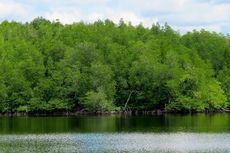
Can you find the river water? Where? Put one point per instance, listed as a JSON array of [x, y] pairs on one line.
[[165, 133]]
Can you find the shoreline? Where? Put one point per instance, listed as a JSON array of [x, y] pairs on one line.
[[107, 113]]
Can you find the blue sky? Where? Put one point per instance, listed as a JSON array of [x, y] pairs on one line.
[[182, 15]]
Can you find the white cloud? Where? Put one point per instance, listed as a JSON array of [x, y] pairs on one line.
[[125, 15], [74, 2], [183, 14], [181, 10], [64, 16], [128, 16], [75, 15], [95, 16], [8, 8], [184, 29], [160, 6], [196, 13]]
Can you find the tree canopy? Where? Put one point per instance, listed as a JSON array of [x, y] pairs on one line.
[[102, 66]]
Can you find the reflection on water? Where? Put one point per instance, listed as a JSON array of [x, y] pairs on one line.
[[166, 133], [116, 142], [90, 124]]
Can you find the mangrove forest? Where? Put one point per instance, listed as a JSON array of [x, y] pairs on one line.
[[47, 66]]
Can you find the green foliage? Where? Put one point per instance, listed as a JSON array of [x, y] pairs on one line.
[[97, 101], [213, 95], [47, 66], [224, 78]]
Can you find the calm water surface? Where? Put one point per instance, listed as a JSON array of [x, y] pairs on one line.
[[166, 133]]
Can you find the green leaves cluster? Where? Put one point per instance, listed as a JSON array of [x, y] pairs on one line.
[[48, 66]]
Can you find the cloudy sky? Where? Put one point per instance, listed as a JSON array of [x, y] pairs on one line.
[[182, 15]]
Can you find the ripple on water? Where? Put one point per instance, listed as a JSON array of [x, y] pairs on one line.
[[116, 142]]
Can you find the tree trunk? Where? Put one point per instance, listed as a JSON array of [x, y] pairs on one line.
[[127, 101]]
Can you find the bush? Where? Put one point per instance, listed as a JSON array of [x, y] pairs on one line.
[[97, 101]]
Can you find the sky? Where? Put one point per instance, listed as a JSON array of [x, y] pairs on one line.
[[182, 15]]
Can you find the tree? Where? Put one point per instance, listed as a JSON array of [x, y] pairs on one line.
[[46, 66]]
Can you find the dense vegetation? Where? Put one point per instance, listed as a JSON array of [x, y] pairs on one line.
[[48, 66]]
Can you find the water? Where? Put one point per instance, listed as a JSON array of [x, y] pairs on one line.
[[166, 133]]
